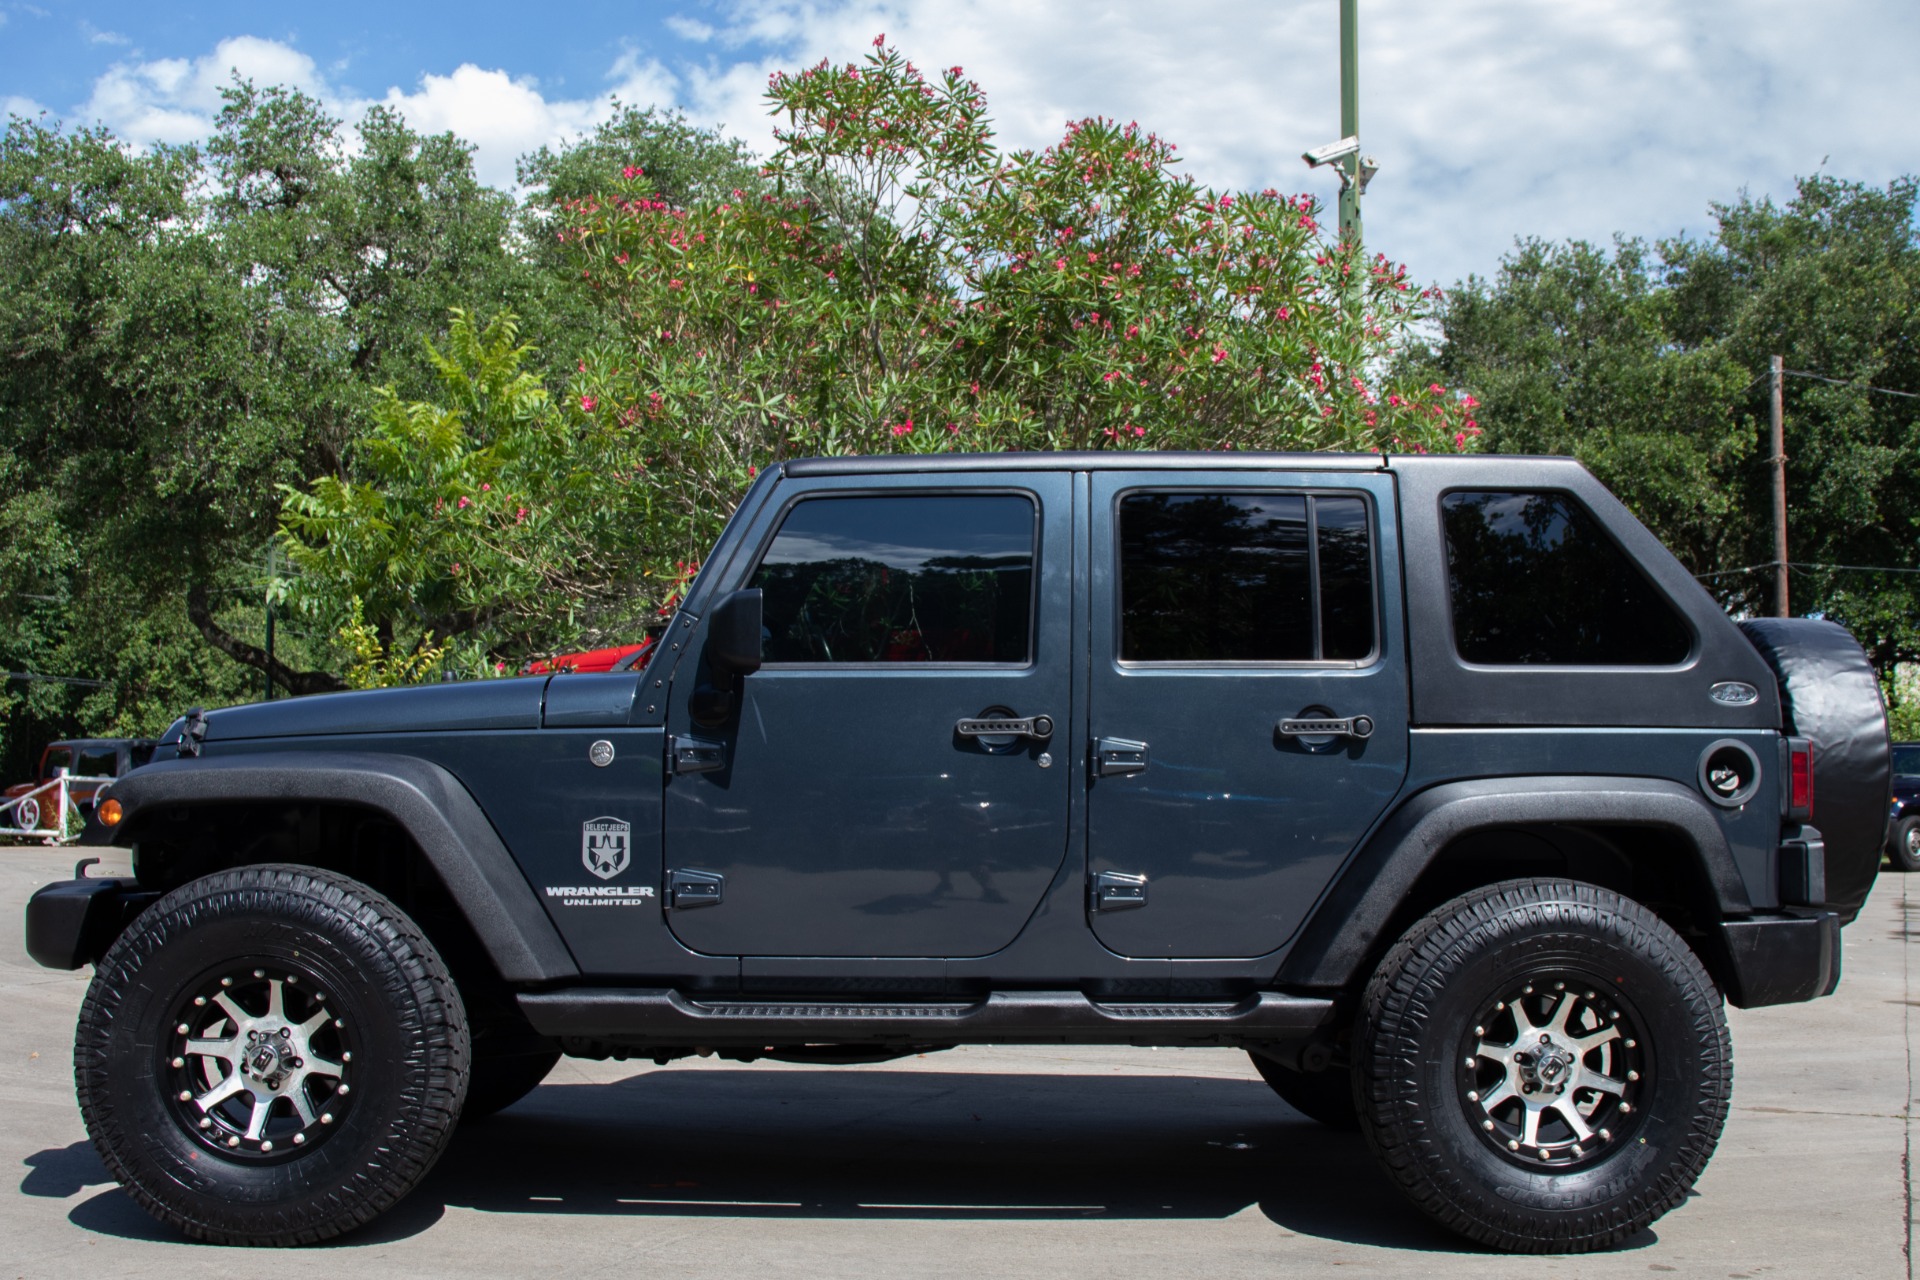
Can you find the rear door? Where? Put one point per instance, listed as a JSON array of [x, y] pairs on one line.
[[853, 814], [1248, 700]]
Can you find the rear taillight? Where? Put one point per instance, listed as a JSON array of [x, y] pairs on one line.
[[1800, 778]]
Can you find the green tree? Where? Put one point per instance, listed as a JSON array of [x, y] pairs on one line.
[[1649, 364], [183, 330]]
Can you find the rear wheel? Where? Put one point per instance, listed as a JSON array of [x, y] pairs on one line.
[[1544, 1066], [270, 1056], [1326, 1095], [1903, 845]]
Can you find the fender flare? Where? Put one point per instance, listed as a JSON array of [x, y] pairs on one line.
[[1347, 926], [425, 800]]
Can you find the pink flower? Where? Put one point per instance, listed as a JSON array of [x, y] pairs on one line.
[[631, 172], [520, 515], [1219, 354], [1133, 331], [588, 403], [1109, 377], [752, 472], [880, 40], [499, 668], [464, 502], [902, 428], [1059, 264], [456, 566], [1437, 389], [486, 488], [1460, 440]]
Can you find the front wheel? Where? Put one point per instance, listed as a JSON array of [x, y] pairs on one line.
[[1903, 846], [270, 1056], [1544, 1066]]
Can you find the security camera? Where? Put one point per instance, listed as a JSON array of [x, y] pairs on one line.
[[1331, 152]]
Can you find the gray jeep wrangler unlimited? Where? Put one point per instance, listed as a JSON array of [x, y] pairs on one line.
[[1436, 784]]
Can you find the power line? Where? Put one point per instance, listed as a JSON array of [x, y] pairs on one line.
[[1843, 382], [1806, 565], [34, 675]]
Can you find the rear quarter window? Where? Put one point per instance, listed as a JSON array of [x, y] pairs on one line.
[[1533, 579]]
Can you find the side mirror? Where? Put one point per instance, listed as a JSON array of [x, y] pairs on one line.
[[733, 638]]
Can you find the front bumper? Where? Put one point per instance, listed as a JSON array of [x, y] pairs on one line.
[[71, 923]]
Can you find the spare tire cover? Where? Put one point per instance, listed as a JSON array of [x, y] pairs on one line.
[[1828, 693]]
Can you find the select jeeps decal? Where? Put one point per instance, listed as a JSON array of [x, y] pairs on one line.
[[606, 849], [606, 846], [1734, 693]]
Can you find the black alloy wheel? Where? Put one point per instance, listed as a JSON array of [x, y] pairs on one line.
[[1543, 1066], [271, 1056]]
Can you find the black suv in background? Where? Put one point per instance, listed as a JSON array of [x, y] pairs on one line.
[[1436, 784]]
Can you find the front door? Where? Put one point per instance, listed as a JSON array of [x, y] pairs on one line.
[[855, 811], [1248, 701]]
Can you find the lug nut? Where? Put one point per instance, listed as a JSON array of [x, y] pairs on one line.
[[181, 1029], [226, 982], [259, 973], [293, 977], [1473, 1095], [346, 1057], [1633, 1075], [186, 1095], [326, 1117], [179, 1062], [1625, 1107], [233, 1142], [1513, 1145], [1487, 1125], [267, 1145], [205, 1123], [299, 1139], [342, 1091], [199, 1002]]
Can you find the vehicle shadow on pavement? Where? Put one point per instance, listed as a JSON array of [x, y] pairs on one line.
[[870, 1143]]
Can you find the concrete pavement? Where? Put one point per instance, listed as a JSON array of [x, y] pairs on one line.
[[993, 1162]]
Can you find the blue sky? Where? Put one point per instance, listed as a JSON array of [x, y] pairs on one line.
[[1490, 118]]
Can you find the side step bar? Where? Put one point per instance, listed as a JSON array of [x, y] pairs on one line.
[[642, 1017]]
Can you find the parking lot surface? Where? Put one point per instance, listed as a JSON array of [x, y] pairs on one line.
[[991, 1162]]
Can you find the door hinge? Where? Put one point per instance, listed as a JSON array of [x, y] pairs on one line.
[[689, 889], [1115, 756], [1118, 891], [695, 755]]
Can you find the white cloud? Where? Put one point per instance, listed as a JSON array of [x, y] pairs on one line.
[[95, 35], [690, 28], [15, 105], [176, 99]]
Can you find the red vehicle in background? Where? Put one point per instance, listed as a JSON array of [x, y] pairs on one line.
[[88, 764], [619, 658]]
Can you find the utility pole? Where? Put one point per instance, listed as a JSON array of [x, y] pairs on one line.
[[1779, 461], [1350, 121], [273, 571]]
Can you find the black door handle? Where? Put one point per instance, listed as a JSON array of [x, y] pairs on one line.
[[1039, 728], [1357, 727]]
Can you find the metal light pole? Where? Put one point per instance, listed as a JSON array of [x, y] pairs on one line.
[[1350, 121]]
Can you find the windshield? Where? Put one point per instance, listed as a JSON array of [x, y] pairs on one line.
[[1906, 759], [56, 758]]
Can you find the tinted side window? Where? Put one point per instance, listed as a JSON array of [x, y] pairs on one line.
[[99, 763], [935, 578], [1535, 579], [1208, 577]]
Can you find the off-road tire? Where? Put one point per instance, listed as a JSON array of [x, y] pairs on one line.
[[1325, 1096], [1426, 1014], [1903, 845], [376, 995], [499, 1080]]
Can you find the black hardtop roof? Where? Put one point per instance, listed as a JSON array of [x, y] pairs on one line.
[[1128, 460]]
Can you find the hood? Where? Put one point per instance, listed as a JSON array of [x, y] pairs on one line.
[[430, 708]]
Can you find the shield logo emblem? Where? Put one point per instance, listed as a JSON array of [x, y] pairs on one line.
[[606, 846]]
